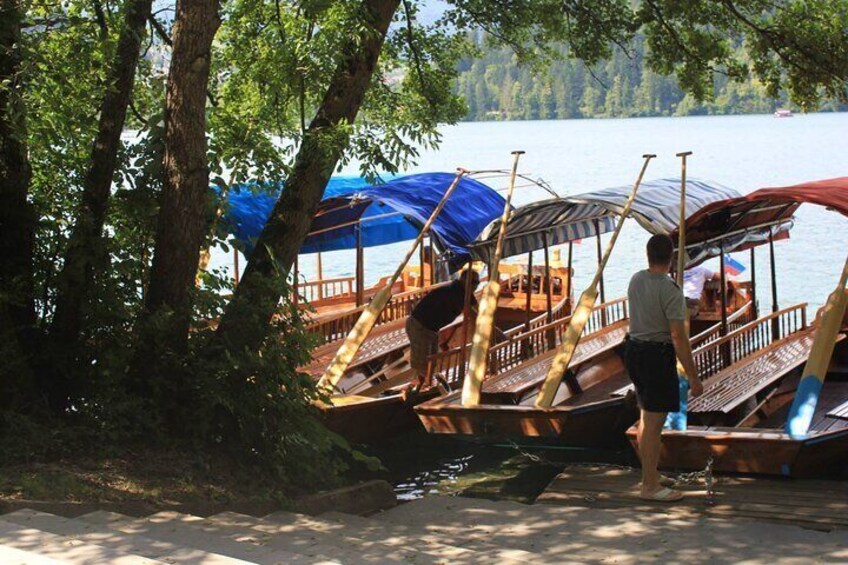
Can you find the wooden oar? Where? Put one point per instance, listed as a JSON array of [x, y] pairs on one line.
[[677, 420], [488, 306], [584, 309], [369, 316], [807, 396]]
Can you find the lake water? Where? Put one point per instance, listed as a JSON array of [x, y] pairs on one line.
[[573, 156]]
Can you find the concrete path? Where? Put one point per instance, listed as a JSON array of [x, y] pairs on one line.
[[435, 529]]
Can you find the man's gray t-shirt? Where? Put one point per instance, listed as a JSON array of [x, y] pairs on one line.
[[654, 300]]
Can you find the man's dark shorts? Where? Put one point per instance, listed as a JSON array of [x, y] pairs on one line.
[[652, 367]]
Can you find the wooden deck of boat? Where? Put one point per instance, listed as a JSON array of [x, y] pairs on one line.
[[533, 373], [382, 339], [815, 504]]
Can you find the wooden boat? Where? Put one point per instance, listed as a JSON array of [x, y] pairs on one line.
[[751, 375], [369, 407], [591, 405], [591, 408]]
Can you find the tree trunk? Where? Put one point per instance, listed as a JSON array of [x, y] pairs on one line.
[[184, 213], [246, 319], [17, 219], [85, 243]]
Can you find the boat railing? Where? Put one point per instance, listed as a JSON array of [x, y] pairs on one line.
[[521, 346], [721, 353], [400, 306], [736, 320], [315, 291]]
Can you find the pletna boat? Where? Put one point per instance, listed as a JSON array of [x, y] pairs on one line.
[[751, 375], [589, 407]]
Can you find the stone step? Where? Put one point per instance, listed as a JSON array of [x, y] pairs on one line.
[[64, 549], [88, 532], [623, 536], [407, 540], [440, 532], [186, 534], [12, 556], [301, 535]]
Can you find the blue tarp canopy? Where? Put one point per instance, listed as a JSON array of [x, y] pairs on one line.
[[385, 213]]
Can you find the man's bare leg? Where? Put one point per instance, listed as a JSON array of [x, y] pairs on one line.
[[649, 436]]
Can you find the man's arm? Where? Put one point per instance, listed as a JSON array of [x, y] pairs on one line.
[[684, 352]]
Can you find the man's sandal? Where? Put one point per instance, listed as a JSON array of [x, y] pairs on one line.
[[667, 481], [663, 495]]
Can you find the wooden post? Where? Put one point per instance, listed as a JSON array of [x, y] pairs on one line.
[[433, 278], [295, 285], [723, 283], [754, 308], [548, 293], [601, 284], [528, 302], [775, 329], [548, 284], [725, 348], [320, 277], [466, 322], [360, 267], [235, 267], [422, 263], [570, 286]]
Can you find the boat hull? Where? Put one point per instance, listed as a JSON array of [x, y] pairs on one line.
[[751, 450], [599, 425], [376, 419]]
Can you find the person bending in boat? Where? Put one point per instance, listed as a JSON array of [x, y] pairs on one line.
[[657, 338], [694, 280], [436, 310]]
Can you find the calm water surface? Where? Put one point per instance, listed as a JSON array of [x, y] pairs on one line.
[[573, 156]]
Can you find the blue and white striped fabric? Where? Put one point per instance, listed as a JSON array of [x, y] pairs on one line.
[[556, 219], [560, 220], [657, 203]]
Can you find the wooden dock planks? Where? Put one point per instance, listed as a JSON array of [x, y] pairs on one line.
[[814, 504]]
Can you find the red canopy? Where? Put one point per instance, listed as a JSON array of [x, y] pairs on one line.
[[746, 221], [763, 207]]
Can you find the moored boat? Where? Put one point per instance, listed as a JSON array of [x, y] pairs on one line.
[[753, 373], [590, 406]]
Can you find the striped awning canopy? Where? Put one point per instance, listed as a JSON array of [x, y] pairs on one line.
[[560, 220], [747, 221], [657, 203]]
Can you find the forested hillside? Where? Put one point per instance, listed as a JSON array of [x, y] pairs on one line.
[[495, 87]]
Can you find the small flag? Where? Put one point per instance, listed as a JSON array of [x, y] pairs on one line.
[[732, 267]]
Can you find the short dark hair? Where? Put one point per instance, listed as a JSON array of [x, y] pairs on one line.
[[660, 248], [475, 276]]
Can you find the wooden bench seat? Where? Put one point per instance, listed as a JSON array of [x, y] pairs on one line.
[[622, 391], [840, 411], [533, 373], [734, 385], [382, 340]]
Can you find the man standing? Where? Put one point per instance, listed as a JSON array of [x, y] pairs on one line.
[[437, 309], [694, 280], [657, 338]]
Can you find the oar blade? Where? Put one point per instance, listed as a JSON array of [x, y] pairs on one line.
[[563, 357], [480, 344], [807, 396], [354, 339]]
